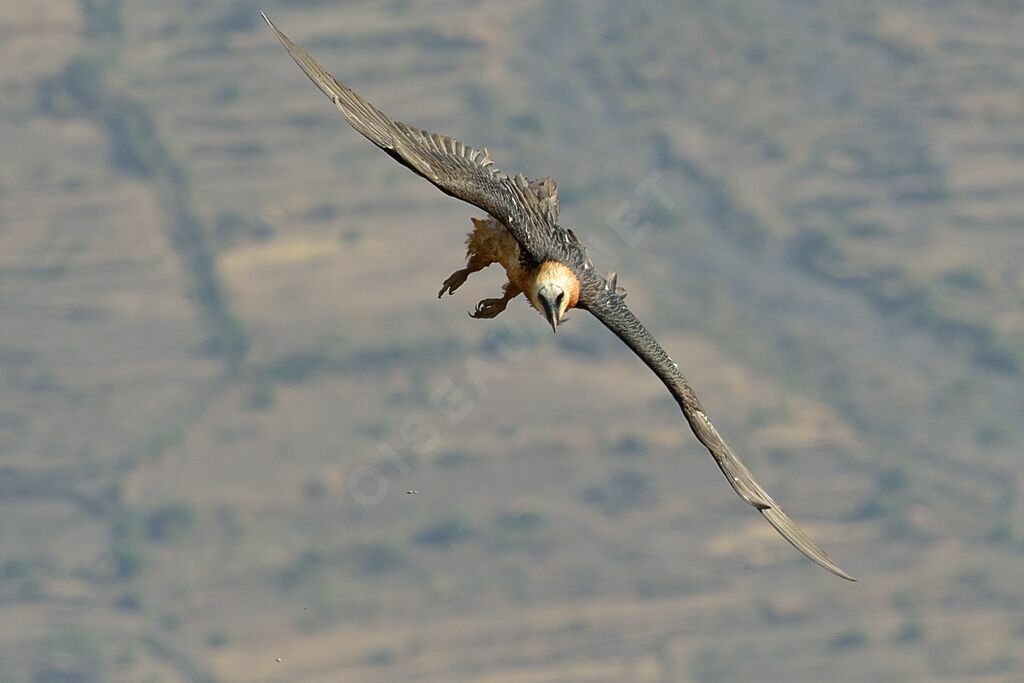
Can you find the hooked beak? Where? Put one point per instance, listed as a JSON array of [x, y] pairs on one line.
[[548, 297], [552, 317]]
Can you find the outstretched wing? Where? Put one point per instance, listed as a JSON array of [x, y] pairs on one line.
[[607, 306], [546, 191], [454, 168]]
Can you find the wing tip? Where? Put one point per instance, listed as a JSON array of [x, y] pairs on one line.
[[799, 539], [263, 14], [281, 37]]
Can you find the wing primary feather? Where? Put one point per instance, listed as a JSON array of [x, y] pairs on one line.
[[453, 167], [602, 300]]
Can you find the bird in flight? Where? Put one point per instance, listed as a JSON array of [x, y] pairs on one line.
[[543, 261]]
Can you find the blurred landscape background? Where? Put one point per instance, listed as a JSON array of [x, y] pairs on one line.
[[223, 363]]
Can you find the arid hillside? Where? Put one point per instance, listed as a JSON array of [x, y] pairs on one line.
[[241, 440]]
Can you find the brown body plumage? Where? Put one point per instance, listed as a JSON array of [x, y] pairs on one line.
[[489, 242], [543, 260]]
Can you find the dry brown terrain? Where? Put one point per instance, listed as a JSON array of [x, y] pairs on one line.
[[223, 363]]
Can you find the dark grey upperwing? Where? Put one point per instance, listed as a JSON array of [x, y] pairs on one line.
[[546, 191], [608, 307], [456, 169]]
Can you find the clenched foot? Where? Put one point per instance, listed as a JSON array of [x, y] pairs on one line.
[[454, 281], [489, 308]]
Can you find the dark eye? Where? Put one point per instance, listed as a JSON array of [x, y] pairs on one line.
[[558, 299]]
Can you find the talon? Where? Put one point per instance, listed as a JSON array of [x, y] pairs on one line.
[[454, 281], [489, 308], [459, 277]]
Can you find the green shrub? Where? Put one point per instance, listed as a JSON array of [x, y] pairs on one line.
[[242, 16], [709, 665], [909, 631], [261, 396], [127, 552], [22, 578], [170, 522], [322, 212], [380, 657], [217, 640], [102, 18], [630, 445], [623, 491], [850, 639], [530, 122], [453, 460], [232, 227], [300, 366], [72, 653], [309, 564], [520, 522], [969, 279], [481, 103], [378, 558], [445, 532], [520, 530], [129, 602]]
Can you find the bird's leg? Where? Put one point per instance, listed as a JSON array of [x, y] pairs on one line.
[[459, 277], [489, 308]]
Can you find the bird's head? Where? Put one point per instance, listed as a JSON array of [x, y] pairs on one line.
[[556, 289]]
